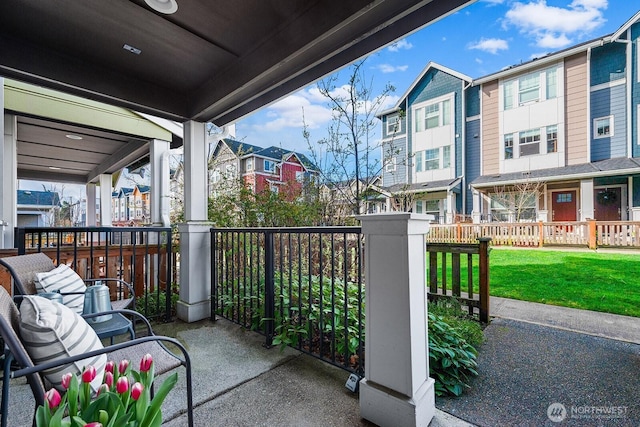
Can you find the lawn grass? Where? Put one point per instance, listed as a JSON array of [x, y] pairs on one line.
[[599, 281]]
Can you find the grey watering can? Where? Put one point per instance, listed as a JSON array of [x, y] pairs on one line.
[[97, 300]]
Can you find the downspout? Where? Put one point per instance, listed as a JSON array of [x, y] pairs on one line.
[[463, 145], [589, 116]]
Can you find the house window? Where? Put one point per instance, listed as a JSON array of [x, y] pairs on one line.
[[216, 176], [431, 116], [602, 127], [390, 166], [564, 197], [230, 171], [418, 161], [529, 88], [249, 164], [419, 206], [508, 146], [529, 142], [446, 156], [507, 89], [552, 83], [269, 166], [299, 176], [432, 160], [393, 124], [274, 188], [552, 139], [446, 112]]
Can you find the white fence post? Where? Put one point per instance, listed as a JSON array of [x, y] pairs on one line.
[[396, 390]]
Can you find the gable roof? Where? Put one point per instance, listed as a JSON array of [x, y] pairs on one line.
[[431, 65], [240, 148], [38, 198]]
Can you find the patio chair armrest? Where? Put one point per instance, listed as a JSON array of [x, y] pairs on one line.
[[107, 280], [131, 313], [185, 360]]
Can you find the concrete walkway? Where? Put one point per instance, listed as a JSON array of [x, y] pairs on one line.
[[237, 382]]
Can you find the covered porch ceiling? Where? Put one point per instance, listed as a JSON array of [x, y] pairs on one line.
[[210, 61]]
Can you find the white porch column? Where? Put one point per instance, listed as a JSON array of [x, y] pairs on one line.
[[106, 219], [476, 213], [195, 241], [634, 211], [586, 200], [396, 390], [8, 175], [91, 205], [451, 207], [160, 192]]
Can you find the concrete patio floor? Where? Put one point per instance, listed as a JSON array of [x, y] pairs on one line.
[[237, 382]]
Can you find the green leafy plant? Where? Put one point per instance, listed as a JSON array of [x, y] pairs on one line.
[[450, 310], [452, 360], [116, 403]]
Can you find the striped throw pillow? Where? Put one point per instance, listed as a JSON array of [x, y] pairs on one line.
[[52, 331], [64, 280]]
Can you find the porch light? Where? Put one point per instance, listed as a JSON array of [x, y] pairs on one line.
[[163, 6], [54, 168], [73, 136]]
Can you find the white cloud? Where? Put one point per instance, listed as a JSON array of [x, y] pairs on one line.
[[552, 26], [478, 61], [400, 44], [288, 112], [388, 68], [493, 2], [490, 45]]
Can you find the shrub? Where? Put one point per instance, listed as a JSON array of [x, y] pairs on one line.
[[452, 360], [451, 312]]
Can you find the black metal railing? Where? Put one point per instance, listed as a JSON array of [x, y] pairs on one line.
[[141, 256], [301, 287]]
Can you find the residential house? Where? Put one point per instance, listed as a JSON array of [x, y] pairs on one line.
[[569, 122], [339, 198], [424, 138], [131, 206], [37, 208], [261, 169], [559, 134]]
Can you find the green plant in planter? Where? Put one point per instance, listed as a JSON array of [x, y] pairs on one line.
[[116, 403], [452, 361]]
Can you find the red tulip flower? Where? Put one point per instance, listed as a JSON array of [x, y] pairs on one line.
[[108, 379], [89, 374], [122, 385], [93, 424], [122, 367], [109, 367], [136, 391], [66, 380], [145, 363], [53, 398]]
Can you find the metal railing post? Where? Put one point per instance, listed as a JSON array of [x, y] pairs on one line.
[[214, 274], [269, 288]]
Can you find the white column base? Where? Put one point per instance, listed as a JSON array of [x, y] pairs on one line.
[[195, 271], [635, 214], [386, 407], [193, 312]]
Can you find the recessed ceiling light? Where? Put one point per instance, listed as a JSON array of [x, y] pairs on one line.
[[72, 136], [54, 168], [163, 6], [132, 49]]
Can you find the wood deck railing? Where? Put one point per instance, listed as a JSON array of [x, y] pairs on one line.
[[142, 256], [592, 234], [448, 271]]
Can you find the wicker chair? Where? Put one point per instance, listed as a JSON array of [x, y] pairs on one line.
[[23, 269], [17, 362]]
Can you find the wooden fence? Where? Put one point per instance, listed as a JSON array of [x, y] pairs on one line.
[[592, 234], [446, 278]]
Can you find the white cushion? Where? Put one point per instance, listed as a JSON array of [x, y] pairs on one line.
[[63, 279], [52, 331]]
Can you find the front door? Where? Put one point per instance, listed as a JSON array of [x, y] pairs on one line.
[[564, 206], [608, 204]]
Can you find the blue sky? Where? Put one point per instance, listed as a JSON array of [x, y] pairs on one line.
[[480, 39]]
